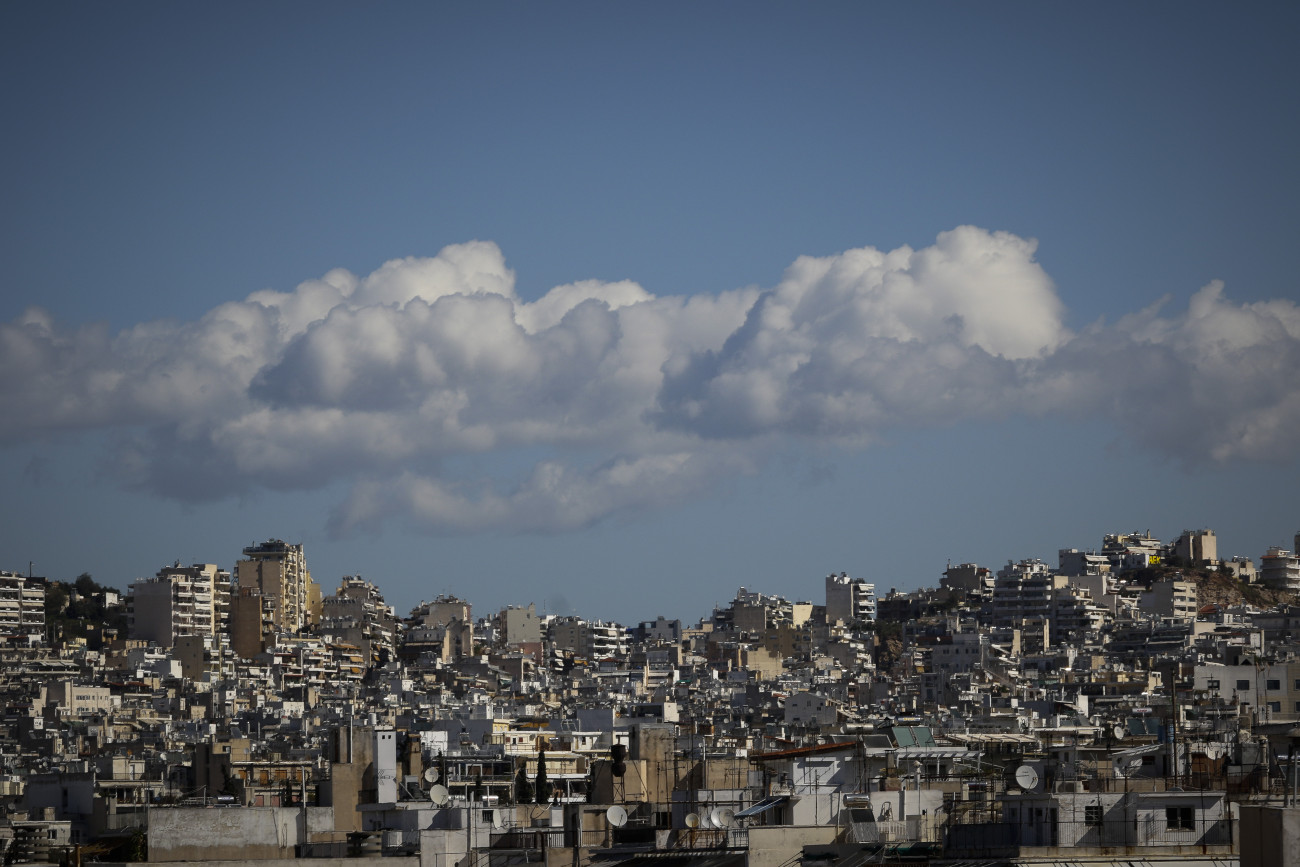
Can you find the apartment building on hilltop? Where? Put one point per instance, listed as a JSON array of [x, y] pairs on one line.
[[179, 601], [849, 599], [278, 571], [22, 608]]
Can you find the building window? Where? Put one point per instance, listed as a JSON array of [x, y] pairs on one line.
[[1180, 819], [1274, 684], [1243, 684], [1092, 814], [1275, 706]]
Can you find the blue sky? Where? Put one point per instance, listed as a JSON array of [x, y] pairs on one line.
[[969, 364]]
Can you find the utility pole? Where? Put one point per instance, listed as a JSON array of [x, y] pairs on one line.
[[469, 830], [1173, 691]]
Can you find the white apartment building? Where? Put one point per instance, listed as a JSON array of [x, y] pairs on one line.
[[1028, 592], [1073, 562], [1172, 598], [607, 639], [1280, 568], [596, 639], [849, 599], [811, 709], [1074, 613], [962, 652], [1022, 591], [179, 601], [1131, 550], [69, 698], [22, 608], [358, 614], [971, 579]]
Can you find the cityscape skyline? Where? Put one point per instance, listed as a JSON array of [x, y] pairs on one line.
[[811, 590], [617, 309]]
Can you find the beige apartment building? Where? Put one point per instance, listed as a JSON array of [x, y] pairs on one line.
[[277, 571], [180, 601], [1268, 692]]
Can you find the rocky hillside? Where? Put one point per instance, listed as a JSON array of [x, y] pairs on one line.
[[1217, 588]]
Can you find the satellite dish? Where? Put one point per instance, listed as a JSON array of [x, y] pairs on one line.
[[617, 816], [431, 775], [1027, 777], [692, 820], [723, 817], [439, 795], [1119, 732], [705, 821]]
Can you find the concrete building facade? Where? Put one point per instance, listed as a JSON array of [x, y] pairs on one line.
[[849, 599], [1197, 547], [1280, 568], [179, 601], [22, 608], [278, 571]]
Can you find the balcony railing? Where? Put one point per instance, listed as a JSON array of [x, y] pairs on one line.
[[1146, 830]]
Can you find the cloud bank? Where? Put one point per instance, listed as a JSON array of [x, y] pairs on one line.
[[447, 401]]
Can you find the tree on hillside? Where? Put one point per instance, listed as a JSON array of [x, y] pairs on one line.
[[68, 619], [56, 599], [85, 585]]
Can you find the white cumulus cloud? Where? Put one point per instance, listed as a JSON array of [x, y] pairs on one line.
[[451, 404]]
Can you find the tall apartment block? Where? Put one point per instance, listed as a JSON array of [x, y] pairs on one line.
[[357, 614], [180, 601], [277, 571], [1280, 568], [849, 599], [1197, 547], [22, 609]]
